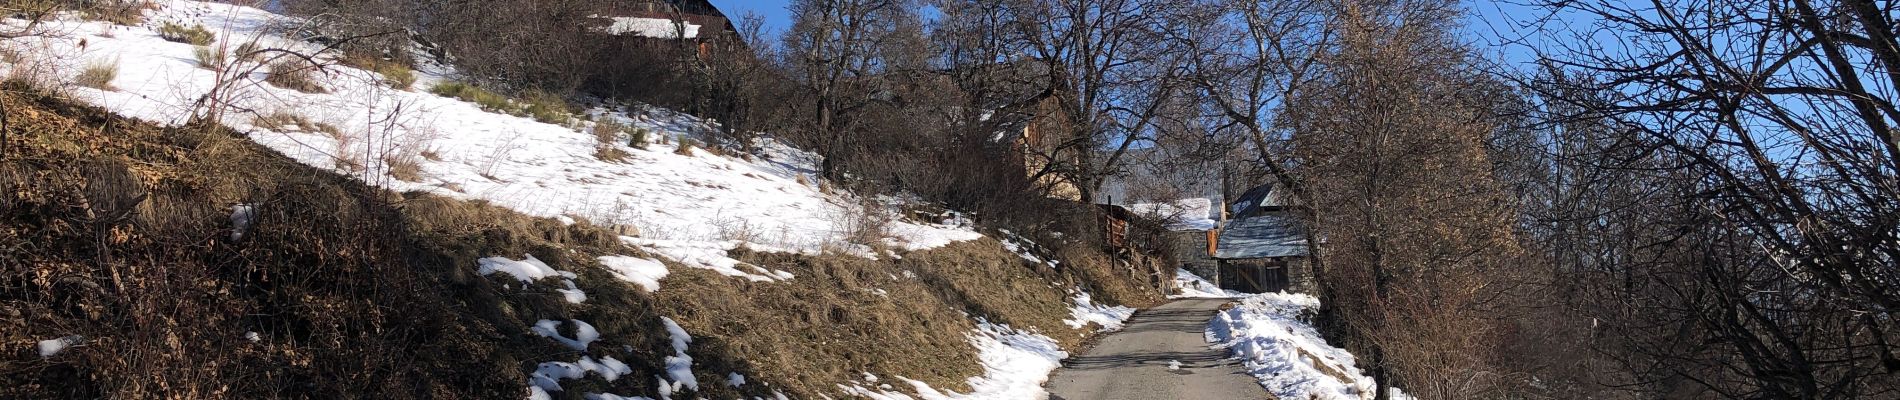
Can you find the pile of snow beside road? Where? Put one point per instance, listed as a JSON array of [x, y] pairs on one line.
[[1270, 336]]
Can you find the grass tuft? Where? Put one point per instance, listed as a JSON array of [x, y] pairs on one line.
[[545, 107], [209, 58], [196, 34], [396, 75], [98, 75], [485, 99]]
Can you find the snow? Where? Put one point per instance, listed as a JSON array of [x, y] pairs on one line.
[[548, 375], [708, 255], [645, 272], [659, 28], [733, 379], [1194, 286], [1024, 248], [920, 236], [691, 209], [526, 270], [1085, 312], [1015, 365], [679, 366], [770, 199], [1190, 214], [51, 347], [572, 294], [1288, 357], [241, 217], [584, 334]]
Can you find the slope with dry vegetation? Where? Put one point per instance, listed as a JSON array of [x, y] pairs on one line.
[[190, 262]]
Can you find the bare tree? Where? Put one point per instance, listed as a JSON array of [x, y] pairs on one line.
[[1108, 76], [1775, 123], [1390, 127], [839, 50]]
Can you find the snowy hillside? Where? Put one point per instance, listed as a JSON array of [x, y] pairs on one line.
[[689, 206]]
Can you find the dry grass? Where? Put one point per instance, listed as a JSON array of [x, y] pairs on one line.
[[121, 12], [338, 278], [98, 75], [294, 75], [403, 167], [685, 147], [396, 75], [195, 34], [607, 141], [284, 121], [209, 58]]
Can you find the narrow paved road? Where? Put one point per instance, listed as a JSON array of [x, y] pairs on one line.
[[1133, 363]]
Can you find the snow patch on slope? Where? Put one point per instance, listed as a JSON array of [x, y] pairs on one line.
[[645, 272], [1085, 312], [769, 199], [1015, 364]]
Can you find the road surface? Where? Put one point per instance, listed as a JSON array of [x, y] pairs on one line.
[[1133, 363]]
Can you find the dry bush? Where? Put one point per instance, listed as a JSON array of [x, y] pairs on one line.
[[294, 75], [685, 147], [98, 75], [209, 58], [195, 34], [637, 138], [865, 224], [607, 142], [121, 12]]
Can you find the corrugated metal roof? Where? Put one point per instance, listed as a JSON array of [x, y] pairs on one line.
[[1268, 234]]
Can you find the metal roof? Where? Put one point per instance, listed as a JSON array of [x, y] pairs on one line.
[[1267, 234]]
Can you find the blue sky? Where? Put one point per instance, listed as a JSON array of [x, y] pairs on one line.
[[1487, 25], [776, 19]]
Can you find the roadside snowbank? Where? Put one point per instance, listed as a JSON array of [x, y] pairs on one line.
[[1267, 332]]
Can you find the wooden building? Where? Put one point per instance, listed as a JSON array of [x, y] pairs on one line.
[[1263, 248]]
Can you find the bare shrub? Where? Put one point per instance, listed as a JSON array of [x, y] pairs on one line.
[[606, 142], [866, 224], [98, 75]]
